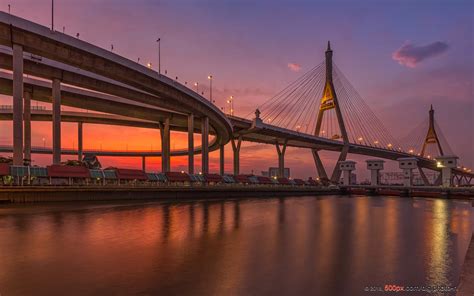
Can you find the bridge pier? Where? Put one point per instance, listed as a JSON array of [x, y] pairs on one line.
[[205, 144], [336, 174], [346, 167], [79, 141], [56, 91], [408, 164], [236, 149], [191, 144], [447, 164], [281, 158], [17, 104], [375, 166], [423, 176], [319, 165], [27, 127], [221, 160], [165, 145]]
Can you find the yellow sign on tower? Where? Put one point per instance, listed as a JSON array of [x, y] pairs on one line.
[[327, 101]]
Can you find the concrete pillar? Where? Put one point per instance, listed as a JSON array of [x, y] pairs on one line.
[[281, 158], [236, 143], [27, 127], [165, 146], [319, 165], [79, 141], [144, 163], [56, 121], [191, 144], [375, 166], [221, 160], [447, 163], [408, 164], [347, 166], [205, 144], [17, 104]]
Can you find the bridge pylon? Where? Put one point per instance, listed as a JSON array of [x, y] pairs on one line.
[[431, 136], [330, 101]]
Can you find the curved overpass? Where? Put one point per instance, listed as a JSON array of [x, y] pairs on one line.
[[54, 55]]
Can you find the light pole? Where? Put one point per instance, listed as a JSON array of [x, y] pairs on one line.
[[210, 87], [159, 55], [230, 101], [9, 11], [44, 143], [52, 15], [197, 86]]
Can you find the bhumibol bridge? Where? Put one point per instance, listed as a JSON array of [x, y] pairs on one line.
[[319, 111]]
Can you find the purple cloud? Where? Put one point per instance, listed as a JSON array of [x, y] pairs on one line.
[[410, 54], [294, 67]]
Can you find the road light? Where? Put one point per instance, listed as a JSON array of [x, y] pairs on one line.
[[159, 55], [197, 86], [210, 87], [148, 65], [230, 101]]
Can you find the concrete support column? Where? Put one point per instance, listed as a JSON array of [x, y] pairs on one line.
[[56, 121], [346, 167], [236, 143], [165, 146], [336, 174], [144, 163], [191, 144], [27, 127], [221, 160], [375, 166], [205, 144], [17, 104], [281, 158], [408, 164], [319, 165], [79, 141], [447, 163]]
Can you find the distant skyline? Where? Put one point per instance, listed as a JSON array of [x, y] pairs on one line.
[[401, 56]]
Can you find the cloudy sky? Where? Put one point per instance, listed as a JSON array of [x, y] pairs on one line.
[[401, 56]]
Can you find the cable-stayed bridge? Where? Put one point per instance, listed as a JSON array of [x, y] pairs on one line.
[[320, 111]]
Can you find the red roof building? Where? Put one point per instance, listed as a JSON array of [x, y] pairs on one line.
[[66, 171], [216, 178], [4, 169], [177, 177], [130, 174]]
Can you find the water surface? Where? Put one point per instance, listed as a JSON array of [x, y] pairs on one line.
[[282, 246]]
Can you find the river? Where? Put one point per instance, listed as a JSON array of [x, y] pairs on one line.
[[330, 245]]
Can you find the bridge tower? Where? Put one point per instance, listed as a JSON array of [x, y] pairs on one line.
[[329, 101], [431, 136]]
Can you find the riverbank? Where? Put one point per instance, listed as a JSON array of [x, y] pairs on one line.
[[110, 193], [466, 281]]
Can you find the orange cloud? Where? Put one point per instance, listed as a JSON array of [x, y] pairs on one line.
[[294, 67]]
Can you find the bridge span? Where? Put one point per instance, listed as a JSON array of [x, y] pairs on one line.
[[67, 71]]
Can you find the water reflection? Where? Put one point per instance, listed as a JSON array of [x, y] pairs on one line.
[[283, 246]]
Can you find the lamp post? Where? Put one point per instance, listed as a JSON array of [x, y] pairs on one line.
[[210, 87], [159, 55], [230, 101], [197, 86], [44, 143], [52, 15]]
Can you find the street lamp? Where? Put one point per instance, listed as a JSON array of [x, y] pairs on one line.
[[230, 101], [210, 87], [148, 65], [44, 143], [159, 55], [197, 86]]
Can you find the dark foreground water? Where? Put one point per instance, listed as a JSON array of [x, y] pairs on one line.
[[283, 246]]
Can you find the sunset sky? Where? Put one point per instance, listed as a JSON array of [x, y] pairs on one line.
[[401, 56]]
